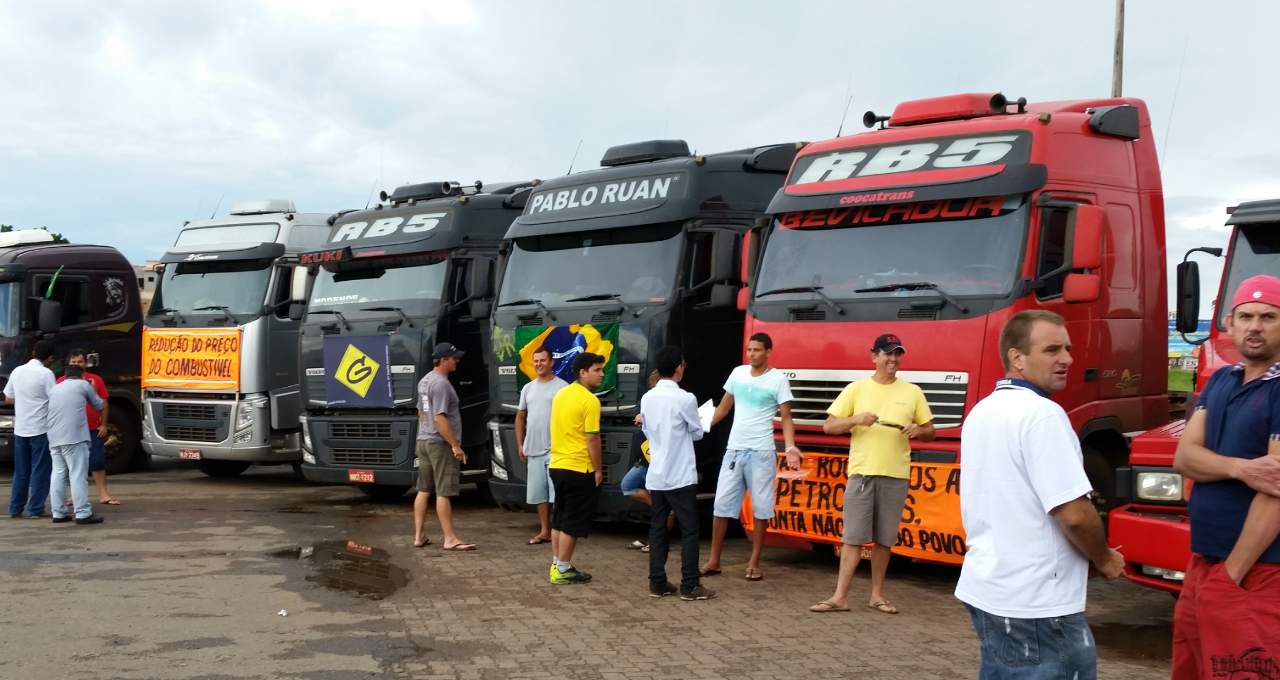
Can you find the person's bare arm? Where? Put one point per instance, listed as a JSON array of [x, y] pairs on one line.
[[1261, 527], [597, 461], [789, 437], [1197, 462], [521, 416], [1082, 525], [722, 409], [924, 432], [447, 434], [835, 425]]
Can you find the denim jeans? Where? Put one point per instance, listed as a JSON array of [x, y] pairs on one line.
[[1034, 649], [683, 502], [30, 474], [71, 459]]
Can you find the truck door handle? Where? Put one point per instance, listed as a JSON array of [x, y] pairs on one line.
[[465, 383]]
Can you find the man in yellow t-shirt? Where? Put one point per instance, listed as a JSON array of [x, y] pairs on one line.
[[575, 465], [881, 414]]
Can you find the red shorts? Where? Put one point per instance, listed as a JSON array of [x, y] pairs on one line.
[[1224, 630]]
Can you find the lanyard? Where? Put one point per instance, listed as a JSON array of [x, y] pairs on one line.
[[1006, 383]]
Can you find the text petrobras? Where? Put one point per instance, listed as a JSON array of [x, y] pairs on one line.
[[936, 154], [605, 193]]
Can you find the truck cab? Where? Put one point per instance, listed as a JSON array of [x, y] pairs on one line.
[[1152, 526], [951, 216], [619, 261], [220, 350], [79, 297], [391, 282]]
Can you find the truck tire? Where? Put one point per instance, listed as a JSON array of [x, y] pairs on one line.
[[1103, 478], [383, 493], [222, 468], [122, 439]]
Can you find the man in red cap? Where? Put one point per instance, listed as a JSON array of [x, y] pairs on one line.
[[1227, 620]]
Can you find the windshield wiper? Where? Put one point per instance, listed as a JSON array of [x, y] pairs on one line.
[[604, 296], [916, 285], [397, 310], [218, 308], [332, 312], [174, 312], [530, 301], [816, 290]]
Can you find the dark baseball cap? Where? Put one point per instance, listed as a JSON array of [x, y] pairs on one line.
[[888, 342], [446, 350]]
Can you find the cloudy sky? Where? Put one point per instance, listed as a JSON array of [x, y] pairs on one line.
[[120, 120]]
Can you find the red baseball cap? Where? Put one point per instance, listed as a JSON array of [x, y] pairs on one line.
[[1261, 288]]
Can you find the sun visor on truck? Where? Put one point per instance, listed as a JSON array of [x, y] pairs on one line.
[[835, 175], [599, 200], [398, 231], [229, 253], [1255, 212]]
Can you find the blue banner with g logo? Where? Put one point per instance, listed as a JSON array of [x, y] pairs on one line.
[[357, 371]]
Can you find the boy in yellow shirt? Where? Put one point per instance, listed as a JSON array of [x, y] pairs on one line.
[[575, 465], [881, 413]]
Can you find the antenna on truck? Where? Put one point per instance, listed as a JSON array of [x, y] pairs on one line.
[[575, 158], [217, 205], [848, 101]]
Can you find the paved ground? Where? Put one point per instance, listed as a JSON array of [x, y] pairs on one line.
[[186, 579]]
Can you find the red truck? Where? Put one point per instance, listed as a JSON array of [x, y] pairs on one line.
[[1153, 527], [960, 212]]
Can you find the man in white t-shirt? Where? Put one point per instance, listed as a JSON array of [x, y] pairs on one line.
[[1024, 500], [533, 439], [28, 392], [755, 393]]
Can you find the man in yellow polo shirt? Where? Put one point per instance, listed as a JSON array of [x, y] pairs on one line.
[[881, 413], [575, 466]]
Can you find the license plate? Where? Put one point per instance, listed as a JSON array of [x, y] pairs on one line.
[[189, 454], [360, 476]]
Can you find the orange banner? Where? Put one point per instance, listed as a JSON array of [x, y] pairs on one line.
[[191, 359], [810, 506]]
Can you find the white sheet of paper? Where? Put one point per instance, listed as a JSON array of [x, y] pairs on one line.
[[705, 412]]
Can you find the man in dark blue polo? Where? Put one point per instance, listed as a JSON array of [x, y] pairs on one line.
[[1227, 620]]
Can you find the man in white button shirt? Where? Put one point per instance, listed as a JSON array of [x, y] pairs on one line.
[[1032, 530], [28, 392], [671, 425]]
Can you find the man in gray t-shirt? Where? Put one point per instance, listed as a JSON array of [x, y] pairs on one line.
[[533, 439], [69, 446], [439, 449]]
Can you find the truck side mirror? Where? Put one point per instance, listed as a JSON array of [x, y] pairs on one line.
[[1086, 241], [479, 309], [298, 285], [744, 296], [297, 310], [49, 316], [1081, 287], [724, 265], [480, 285], [723, 295], [1188, 297], [91, 360]]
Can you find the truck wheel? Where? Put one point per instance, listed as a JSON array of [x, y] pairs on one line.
[[485, 493], [383, 493], [1103, 478], [122, 440], [222, 468]]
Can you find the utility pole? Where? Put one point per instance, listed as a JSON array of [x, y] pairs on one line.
[[1117, 66]]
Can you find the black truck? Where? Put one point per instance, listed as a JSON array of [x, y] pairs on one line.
[[77, 296], [646, 251], [415, 270]]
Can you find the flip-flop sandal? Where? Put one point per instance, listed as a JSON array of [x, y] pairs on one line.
[[826, 607], [425, 542], [754, 575], [110, 501], [645, 549], [460, 547], [884, 607], [538, 540], [708, 572], [637, 545]]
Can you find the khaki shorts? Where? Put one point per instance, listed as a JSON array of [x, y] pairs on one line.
[[873, 509], [438, 471]]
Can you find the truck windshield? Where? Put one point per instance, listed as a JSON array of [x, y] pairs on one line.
[[237, 288], [412, 287], [634, 265], [1255, 250], [964, 256], [9, 306]]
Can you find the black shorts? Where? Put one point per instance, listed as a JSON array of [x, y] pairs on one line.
[[575, 506]]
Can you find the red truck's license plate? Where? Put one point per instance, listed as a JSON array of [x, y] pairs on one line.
[[360, 476]]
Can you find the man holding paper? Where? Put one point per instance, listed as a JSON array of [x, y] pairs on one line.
[[881, 413]]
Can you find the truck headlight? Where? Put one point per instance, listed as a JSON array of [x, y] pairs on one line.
[[499, 460], [306, 437], [1159, 486], [6, 422], [499, 472], [246, 411], [308, 458]]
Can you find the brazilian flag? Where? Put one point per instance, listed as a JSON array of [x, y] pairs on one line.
[[566, 343]]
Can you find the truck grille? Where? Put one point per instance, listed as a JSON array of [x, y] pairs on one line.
[[190, 411], [814, 390], [353, 456], [191, 434], [340, 430]]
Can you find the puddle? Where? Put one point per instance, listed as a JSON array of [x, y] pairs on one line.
[[349, 567], [1154, 641]]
